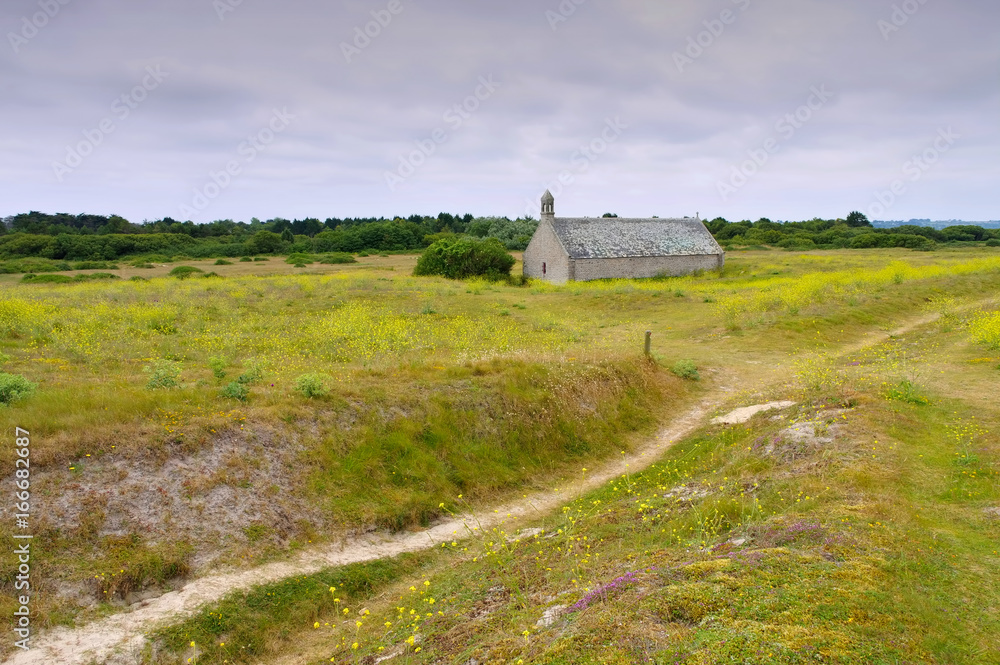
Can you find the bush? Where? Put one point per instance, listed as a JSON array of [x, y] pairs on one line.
[[223, 262], [313, 385], [183, 272], [33, 265], [296, 259], [263, 242], [97, 275], [162, 374], [94, 265], [993, 242], [218, 366], [14, 387], [463, 257], [338, 257], [254, 373], [906, 391], [246, 259], [236, 390], [261, 258], [46, 279], [686, 369]]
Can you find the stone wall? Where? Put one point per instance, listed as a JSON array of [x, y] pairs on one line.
[[638, 267], [545, 249]]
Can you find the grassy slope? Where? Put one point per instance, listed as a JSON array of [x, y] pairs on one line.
[[443, 396], [872, 548], [745, 544]]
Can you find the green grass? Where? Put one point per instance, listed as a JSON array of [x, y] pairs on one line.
[[436, 388], [865, 541], [255, 623]]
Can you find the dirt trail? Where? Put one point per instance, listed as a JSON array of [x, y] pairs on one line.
[[120, 638], [123, 633]]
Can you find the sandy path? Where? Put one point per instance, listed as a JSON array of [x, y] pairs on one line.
[[123, 634]]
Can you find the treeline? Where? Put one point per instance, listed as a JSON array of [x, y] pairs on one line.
[[854, 232], [97, 238], [65, 237]]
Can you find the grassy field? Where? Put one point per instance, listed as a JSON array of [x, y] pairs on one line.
[[436, 390]]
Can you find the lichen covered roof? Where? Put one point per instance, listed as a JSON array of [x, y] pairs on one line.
[[612, 238]]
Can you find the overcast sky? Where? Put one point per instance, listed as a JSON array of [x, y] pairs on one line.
[[216, 109]]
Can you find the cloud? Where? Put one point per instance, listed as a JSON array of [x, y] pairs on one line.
[[687, 126]]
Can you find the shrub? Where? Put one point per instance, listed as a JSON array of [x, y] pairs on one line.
[[313, 385], [254, 373], [212, 274], [686, 369], [143, 265], [97, 275], [246, 259], [14, 387], [338, 257], [261, 258], [993, 242], [137, 278], [263, 242], [218, 366], [162, 374], [94, 265], [906, 391], [223, 262], [296, 259], [183, 272], [236, 390], [46, 279], [299, 265], [463, 257]]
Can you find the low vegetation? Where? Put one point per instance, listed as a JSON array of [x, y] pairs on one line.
[[841, 530], [184, 425], [462, 258]]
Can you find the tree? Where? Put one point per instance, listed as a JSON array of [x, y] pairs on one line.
[[263, 242], [858, 219], [461, 257], [287, 236]]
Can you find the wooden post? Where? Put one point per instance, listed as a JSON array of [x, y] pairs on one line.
[[649, 342]]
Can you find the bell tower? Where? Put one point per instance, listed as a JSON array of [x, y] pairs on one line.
[[548, 206]]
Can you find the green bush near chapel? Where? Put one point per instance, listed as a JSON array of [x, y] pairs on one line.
[[183, 272], [461, 258], [14, 387]]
